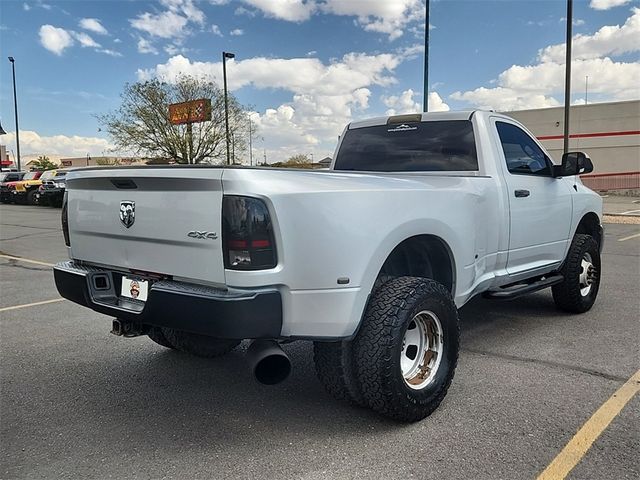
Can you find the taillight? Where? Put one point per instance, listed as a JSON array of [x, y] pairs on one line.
[[247, 234], [65, 221]]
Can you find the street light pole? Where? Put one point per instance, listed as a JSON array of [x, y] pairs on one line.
[[250, 145], [226, 55], [15, 106], [425, 95], [567, 76]]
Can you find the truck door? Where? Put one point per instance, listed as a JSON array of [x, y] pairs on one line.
[[540, 205]]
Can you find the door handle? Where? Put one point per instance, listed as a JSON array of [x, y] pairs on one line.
[[522, 193]]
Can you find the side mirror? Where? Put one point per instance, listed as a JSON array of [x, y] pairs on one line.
[[573, 163]]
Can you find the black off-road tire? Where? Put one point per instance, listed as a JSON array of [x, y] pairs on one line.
[[378, 345], [199, 345], [157, 336], [334, 364], [334, 368], [566, 295], [31, 197]]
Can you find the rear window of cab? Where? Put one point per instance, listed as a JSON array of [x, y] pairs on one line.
[[436, 146]]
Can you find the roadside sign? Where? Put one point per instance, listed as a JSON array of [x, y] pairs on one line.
[[190, 112]]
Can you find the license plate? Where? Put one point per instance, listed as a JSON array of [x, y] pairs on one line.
[[135, 288]]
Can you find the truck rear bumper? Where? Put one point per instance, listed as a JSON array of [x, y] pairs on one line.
[[233, 314]]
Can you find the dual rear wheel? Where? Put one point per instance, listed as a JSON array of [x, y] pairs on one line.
[[192, 343], [404, 356]]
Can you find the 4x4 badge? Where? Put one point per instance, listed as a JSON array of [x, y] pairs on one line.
[[202, 235], [127, 212]]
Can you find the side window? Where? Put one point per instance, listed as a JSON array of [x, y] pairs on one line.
[[523, 155]]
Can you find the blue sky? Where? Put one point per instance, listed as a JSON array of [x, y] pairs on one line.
[[306, 67]]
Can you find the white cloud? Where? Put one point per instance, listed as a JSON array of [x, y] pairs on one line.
[[109, 52], [117, 40], [26, 7], [609, 40], [93, 25], [505, 99], [173, 49], [290, 10], [85, 40], [236, 32], [542, 84], [436, 104], [55, 39], [325, 96], [389, 16], [215, 29], [607, 4], [405, 103], [145, 46], [165, 25], [170, 23], [70, 146], [577, 22]]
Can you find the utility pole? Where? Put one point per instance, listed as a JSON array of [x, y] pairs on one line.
[[567, 76], [250, 145], [425, 99], [226, 55], [233, 148], [586, 89], [15, 107]]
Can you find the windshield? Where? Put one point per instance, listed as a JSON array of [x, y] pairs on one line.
[[30, 175], [60, 175], [48, 175], [410, 147]]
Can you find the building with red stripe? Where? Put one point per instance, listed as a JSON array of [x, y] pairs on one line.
[[608, 132]]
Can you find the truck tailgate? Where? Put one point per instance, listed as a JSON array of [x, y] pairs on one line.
[[170, 221]]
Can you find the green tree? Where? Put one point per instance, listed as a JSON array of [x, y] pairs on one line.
[[141, 125], [43, 163]]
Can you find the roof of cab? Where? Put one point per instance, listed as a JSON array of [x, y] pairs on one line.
[[425, 117]]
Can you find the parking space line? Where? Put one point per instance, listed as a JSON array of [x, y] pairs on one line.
[[631, 212], [624, 239], [11, 257], [581, 442], [34, 304]]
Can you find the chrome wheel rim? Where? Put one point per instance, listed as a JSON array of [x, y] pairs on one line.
[[587, 274], [422, 348]]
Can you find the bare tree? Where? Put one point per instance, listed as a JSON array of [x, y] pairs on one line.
[[141, 125]]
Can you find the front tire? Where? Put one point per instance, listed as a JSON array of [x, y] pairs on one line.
[[581, 271], [31, 197], [407, 348], [198, 345]]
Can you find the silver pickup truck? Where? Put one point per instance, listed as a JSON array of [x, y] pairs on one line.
[[369, 260]]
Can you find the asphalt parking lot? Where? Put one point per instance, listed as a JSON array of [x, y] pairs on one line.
[[76, 401]]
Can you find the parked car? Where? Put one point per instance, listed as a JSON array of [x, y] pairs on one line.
[[369, 260], [24, 191], [7, 177], [51, 192]]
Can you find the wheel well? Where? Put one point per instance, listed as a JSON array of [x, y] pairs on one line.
[[590, 225], [421, 256]]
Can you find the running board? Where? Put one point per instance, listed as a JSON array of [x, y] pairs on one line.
[[514, 291]]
